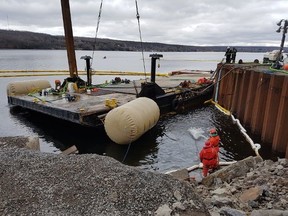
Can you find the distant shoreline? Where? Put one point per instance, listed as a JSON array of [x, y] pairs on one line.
[[30, 40]]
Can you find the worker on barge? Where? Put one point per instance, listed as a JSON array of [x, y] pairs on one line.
[[209, 157], [233, 54], [228, 54]]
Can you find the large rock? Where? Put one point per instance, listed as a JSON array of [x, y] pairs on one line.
[[180, 174], [228, 173], [251, 194], [231, 212], [272, 212]]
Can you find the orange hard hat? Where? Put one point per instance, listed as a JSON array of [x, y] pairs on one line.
[[212, 131]]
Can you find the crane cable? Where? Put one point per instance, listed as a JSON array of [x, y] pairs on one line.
[[96, 32], [138, 18], [141, 42]]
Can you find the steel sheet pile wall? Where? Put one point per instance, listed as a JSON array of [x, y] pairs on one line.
[[259, 100]]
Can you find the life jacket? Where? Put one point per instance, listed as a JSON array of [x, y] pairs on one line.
[[209, 155], [215, 140], [202, 80]]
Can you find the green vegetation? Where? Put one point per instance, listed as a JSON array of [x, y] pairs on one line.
[[10, 39]]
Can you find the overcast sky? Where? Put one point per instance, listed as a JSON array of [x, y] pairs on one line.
[[187, 22]]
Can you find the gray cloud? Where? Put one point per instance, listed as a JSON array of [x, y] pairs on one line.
[[197, 22]]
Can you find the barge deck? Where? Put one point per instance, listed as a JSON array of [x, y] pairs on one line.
[[90, 109]]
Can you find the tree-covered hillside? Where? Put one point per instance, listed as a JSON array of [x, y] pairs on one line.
[[10, 39]]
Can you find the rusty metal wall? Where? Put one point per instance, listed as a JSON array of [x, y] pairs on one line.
[[258, 97]]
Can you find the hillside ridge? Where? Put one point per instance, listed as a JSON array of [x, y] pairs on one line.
[[12, 39]]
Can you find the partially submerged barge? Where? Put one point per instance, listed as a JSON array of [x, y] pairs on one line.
[[88, 107]]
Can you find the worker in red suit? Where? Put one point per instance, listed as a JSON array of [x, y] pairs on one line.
[[209, 158], [214, 139]]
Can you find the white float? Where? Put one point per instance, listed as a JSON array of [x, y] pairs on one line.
[[25, 87], [130, 121]]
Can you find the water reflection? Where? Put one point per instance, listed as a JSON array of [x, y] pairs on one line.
[[233, 145], [142, 152]]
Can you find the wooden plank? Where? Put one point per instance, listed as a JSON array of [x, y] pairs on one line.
[[71, 150]]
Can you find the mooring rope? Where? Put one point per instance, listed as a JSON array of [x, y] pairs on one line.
[[127, 151]]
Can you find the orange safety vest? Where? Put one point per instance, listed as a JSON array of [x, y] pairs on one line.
[[215, 140], [209, 156], [202, 80]]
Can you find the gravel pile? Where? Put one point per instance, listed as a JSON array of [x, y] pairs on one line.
[[35, 183]]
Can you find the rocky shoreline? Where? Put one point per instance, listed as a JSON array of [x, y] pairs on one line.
[[35, 183], [259, 190]]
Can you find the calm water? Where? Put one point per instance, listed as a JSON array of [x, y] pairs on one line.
[[119, 61], [167, 146]]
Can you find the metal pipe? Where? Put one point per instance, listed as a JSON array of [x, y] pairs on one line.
[[69, 38], [154, 57], [88, 70]]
